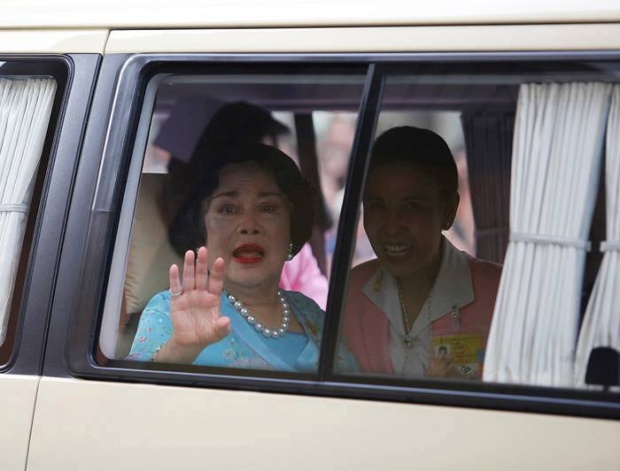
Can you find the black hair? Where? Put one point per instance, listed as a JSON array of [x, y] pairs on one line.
[[418, 147], [188, 231], [232, 125]]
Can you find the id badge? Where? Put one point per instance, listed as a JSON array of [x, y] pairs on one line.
[[466, 349]]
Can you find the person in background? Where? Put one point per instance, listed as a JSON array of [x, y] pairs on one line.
[[420, 293], [254, 210]]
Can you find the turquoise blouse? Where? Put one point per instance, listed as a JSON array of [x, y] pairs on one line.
[[244, 347]]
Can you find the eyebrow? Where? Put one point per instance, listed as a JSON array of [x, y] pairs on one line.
[[409, 197], [405, 199], [236, 193]]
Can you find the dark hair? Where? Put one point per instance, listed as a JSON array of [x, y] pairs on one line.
[[187, 231], [232, 125], [418, 147]]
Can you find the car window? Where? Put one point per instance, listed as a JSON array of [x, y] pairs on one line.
[[25, 110], [456, 220], [196, 121], [482, 226]]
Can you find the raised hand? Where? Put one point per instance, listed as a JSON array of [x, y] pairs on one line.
[[444, 368], [195, 308], [441, 368]]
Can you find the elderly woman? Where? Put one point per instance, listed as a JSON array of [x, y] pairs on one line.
[[255, 212], [422, 308]]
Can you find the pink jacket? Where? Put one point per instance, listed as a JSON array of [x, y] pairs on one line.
[[366, 326]]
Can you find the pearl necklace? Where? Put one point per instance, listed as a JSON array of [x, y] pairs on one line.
[[251, 319]]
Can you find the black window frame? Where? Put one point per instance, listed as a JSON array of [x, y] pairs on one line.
[[23, 352], [127, 77]]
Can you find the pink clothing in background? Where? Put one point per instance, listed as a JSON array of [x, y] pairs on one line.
[[304, 275]]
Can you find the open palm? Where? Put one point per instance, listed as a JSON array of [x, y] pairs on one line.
[[195, 311]]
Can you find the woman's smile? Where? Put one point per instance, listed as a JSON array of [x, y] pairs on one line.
[[396, 251]]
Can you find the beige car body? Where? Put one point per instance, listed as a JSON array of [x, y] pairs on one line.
[[53, 424]]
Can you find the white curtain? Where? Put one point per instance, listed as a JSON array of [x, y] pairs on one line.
[[601, 325], [25, 106], [556, 162]]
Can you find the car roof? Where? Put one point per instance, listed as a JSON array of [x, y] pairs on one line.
[[137, 14]]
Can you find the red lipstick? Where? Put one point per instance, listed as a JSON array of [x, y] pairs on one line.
[[248, 253]]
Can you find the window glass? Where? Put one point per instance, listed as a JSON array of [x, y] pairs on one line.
[[480, 211], [272, 216], [477, 175], [25, 109]]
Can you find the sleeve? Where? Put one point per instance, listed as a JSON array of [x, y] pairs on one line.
[[154, 329]]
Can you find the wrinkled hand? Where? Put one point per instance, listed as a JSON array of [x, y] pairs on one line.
[[195, 313]]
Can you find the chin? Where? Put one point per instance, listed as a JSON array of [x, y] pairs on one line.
[[250, 280], [400, 273], [400, 269]]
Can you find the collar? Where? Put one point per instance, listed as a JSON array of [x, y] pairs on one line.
[[453, 288]]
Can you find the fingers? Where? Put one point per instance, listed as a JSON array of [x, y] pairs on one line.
[[175, 280], [216, 279], [188, 271], [202, 269], [440, 367], [196, 273]]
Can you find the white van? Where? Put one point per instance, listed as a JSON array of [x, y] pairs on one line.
[[96, 99]]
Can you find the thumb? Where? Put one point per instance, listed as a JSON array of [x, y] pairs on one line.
[[222, 327]]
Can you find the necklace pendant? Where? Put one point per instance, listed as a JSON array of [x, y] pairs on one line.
[[408, 341]]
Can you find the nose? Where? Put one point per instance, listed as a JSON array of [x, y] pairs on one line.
[[392, 222], [249, 224]]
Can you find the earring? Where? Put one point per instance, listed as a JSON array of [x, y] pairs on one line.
[[289, 252]]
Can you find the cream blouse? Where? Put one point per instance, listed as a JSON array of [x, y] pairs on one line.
[[453, 289]]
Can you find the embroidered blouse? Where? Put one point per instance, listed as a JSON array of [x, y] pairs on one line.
[[244, 347]]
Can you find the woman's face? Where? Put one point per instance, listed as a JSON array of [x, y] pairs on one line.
[[403, 217], [248, 225]]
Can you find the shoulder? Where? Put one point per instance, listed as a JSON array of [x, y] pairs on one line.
[[161, 296], [485, 276], [361, 273], [485, 270], [308, 313], [159, 302], [303, 303]]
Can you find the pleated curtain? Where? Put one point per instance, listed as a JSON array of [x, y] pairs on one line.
[[559, 130], [488, 145], [25, 107], [601, 325]]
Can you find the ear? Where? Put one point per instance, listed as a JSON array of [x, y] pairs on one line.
[[450, 208]]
